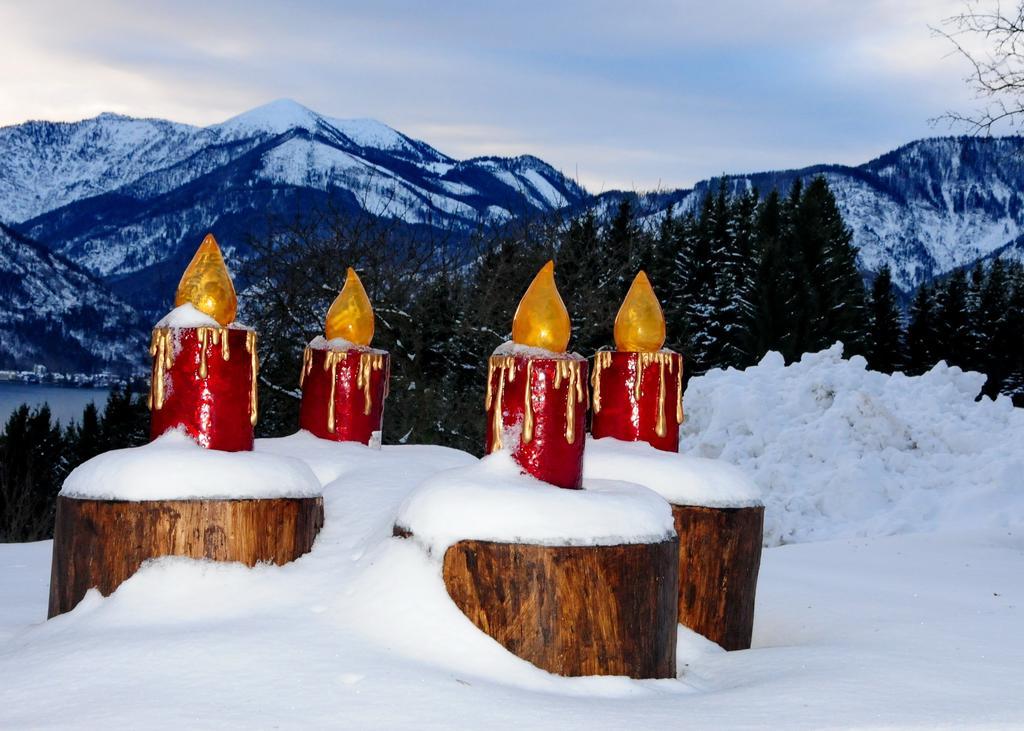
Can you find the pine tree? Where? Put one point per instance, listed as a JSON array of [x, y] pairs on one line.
[[681, 281], [922, 332], [953, 336], [664, 250], [731, 327], [771, 298], [885, 349], [708, 238], [1011, 329], [582, 265], [84, 439], [125, 420], [833, 305], [978, 329], [990, 329], [32, 469]]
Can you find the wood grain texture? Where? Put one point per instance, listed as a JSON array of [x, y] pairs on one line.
[[719, 559], [573, 610], [100, 543]]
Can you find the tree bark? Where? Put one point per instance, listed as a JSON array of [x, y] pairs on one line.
[[573, 610], [719, 559], [100, 543]]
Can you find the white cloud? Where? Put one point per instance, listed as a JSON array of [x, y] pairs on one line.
[[629, 96]]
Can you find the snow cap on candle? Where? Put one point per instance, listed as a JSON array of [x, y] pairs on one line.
[[541, 320], [206, 284], [640, 324], [351, 314]]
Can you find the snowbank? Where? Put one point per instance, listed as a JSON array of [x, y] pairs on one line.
[[173, 467], [680, 479], [493, 500], [840, 451]]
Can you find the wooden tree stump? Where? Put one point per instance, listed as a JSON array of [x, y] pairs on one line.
[[719, 558], [100, 543], [573, 610]]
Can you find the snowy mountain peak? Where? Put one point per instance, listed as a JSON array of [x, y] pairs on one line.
[[276, 117]]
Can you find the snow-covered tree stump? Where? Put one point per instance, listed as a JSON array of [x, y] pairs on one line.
[[572, 610], [577, 582], [719, 559], [720, 522], [100, 543], [173, 498]]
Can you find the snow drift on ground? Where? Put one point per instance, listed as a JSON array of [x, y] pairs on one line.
[[841, 451], [909, 631]]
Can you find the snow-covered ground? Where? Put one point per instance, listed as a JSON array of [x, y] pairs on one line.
[[869, 617]]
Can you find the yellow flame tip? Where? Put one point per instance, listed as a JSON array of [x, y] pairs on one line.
[[351, 314], [640, 323], [206, 284], [541, 320]]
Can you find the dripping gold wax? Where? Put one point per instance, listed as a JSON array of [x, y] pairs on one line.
[[344, 381], [638, 387], [536, 393], [199, 384]]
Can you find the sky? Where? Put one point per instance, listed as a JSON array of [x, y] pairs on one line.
[[635, 95]]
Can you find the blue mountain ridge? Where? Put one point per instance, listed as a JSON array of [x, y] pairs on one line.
[[124, 201]]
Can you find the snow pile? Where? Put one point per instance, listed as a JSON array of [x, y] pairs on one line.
[[493, 500], [361, 633], [173, 467], [680, 479], [839, 451]]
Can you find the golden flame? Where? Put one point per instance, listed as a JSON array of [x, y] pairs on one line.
[[640, 324], [541, 320], [206, 284], [351, 314]]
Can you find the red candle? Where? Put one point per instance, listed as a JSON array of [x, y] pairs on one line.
[[204, 381], [343, 392], [537, 393], [537, 408], [204, 367], [344, 381], [638, 388]]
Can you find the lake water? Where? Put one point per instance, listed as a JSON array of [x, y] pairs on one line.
[[66, 404]]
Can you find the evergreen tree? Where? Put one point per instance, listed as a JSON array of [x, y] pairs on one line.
[[832, 302], [884, 351], [684, 247], [32, 469], [700, 284], [84, 439], [978, 330], [731, 325], [1012, 327], [664, 249], [125, 420], [953, 336], [922, 332], [581, 267], [993, 335], [771, 287]]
